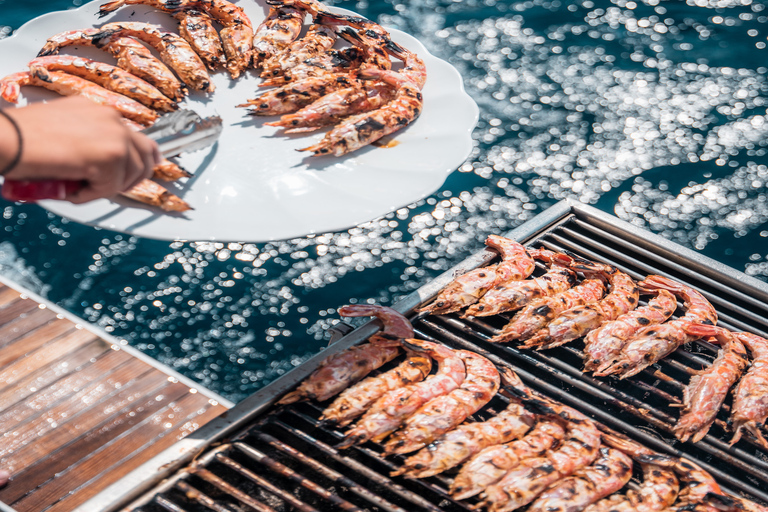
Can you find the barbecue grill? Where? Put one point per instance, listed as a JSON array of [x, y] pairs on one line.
[[269, 458]]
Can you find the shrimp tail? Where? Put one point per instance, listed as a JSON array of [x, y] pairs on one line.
[[109, 7]]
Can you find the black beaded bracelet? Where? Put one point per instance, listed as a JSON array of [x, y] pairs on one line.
[[16, 158]]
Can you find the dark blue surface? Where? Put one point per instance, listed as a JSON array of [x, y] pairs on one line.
[[651, 111]]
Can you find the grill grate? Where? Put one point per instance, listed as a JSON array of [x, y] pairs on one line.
[[286, 460]]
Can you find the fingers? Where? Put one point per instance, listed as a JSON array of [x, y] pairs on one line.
[[133, 163]]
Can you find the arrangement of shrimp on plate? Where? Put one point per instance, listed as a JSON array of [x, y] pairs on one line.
[[418, 400], [338, 72]]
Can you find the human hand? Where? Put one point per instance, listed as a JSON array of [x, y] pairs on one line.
[[76, 140]]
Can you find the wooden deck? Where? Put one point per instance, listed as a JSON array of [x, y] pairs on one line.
[[78, 412]]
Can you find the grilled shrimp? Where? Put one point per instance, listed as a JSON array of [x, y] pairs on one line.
[[109, 77], [750, 402], [71, 85], [468, 288], [609, 473], [513, 295], [236, 36], [295, 95], [458, 445], [492, 463], [446, 412], [355, 400], [173, 50], [604, 344], [195, 27], [131, 56], [392, 409], [657, 492], [539, 313], [149, 192], [707, 390], [576, 322], [362, 129], [522, 484], [280, 28], [318, 39], [653, 343], [360, 96], [337, 372], [169, 171]]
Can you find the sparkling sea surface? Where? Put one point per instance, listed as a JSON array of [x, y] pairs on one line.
[[652, 111]]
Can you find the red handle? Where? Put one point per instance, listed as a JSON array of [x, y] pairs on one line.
[[16, 190]]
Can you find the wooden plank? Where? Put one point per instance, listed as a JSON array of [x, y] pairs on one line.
[[26, 385], [11, 332], [49, 443], [34, 339], [165, 428], [7, 295], [79, 496], [18, 370], [77, 464], [76, 413], [15, 310], [51, 395]]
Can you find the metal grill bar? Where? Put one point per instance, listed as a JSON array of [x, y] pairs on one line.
[[296, 449]]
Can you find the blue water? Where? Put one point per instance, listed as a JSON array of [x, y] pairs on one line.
[[653, 111]]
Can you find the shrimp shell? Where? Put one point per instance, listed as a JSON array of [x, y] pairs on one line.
[[658, 491], [392, 409], [355, 400], [110, 77], [492, 463], [707, 390], [280, 28], [393, 322], [604, 344], [318, 40], [653, 343], [609, 473], [295, 95], [71, 85], [331, 108], [235, 39], [362, 129], [174, 50], [750, 402], [458, 445], [539, 313], [339, 371], [445, 412], [513, 295], [131, 56], [576, 322], [169, 171], [149, 192], [194, 26], [468, 288]]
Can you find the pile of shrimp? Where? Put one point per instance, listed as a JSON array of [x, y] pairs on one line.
[[314, 85], [534, 453], [579, 299]]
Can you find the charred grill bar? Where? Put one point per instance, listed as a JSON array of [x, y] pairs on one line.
[[283, 458]]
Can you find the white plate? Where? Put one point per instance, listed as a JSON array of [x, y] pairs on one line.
[[253, 186]]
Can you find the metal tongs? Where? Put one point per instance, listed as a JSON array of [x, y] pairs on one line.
[[183, 131]]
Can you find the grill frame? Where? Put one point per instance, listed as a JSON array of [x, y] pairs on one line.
[[752, 292]]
